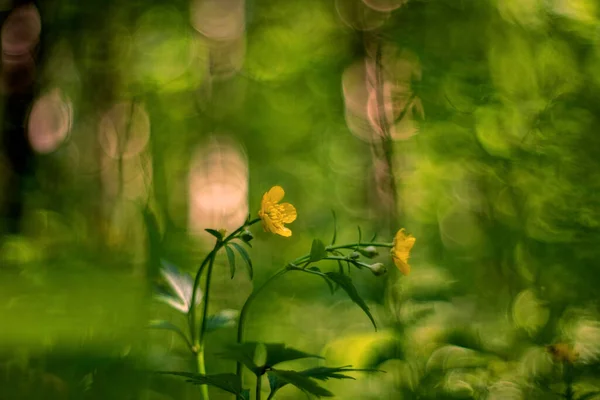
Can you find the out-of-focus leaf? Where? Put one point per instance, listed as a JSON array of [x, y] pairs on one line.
[[222, 319], [529, 313], [166, 325], [246, 258], [180, 286], [317, 251], [345, 283], [228, 382], [589, 395], [231, 259], [280, 378]]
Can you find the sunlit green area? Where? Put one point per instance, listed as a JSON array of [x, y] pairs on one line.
[[129, 128]]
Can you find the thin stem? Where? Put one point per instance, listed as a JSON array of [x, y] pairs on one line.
[[244, 311], [258, 386], [198, 340], [353, 245], [271, 395]]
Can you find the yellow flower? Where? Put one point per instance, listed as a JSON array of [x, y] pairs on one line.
[[402, 245], [273, 215]]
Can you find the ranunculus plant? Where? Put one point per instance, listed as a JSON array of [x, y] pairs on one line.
[[185, 295]]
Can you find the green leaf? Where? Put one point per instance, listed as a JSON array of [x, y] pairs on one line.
[[359, 235], [374, 237], [589, 395], [279, 352], [325, 373], [345, 283], [242, 353], [329, 284], [231, 258], [280, 378], [227, 382], [317, 251], [215, 233], [223, 319], [246, 258], [166, 325], [180, 285], [334, 228]]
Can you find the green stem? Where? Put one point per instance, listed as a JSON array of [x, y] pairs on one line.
[[244, 311], [202, 370], [258, 387], [353, 245], [198, 340]]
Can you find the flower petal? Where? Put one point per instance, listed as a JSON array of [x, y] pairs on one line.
[[402, 266], [283, 231], [274, 195], [288, 212]]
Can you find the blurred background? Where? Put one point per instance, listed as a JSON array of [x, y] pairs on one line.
[[130, 127]]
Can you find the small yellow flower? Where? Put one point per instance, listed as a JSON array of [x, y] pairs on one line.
[[402, 245], [273, 215]]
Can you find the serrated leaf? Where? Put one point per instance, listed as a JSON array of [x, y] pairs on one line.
[[231, 258], [222, 319], [215, 233], [228, 382], [279, 352], [325, 373], [334, 228], [317, 251], [327, 281], [345, 283], [180, 285], [244, 254], [242, 353], [279, 378]]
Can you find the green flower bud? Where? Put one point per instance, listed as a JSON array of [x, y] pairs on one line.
[[247, 236], [354, 255], [378, 269], [369, 252]]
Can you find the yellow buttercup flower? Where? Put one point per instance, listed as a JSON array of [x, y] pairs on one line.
[[402, 245], [273, 215]]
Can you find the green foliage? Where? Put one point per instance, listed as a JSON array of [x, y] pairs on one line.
[[244, 254], [317, 251], [180, 287], [231, 259], [227, 382], [345, 282]]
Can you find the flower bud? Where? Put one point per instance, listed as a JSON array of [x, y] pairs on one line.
[[369, 252], [354, 255], [246, 236], [378, 269], [223, 232]]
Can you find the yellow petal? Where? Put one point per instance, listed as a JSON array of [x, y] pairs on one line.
[[288, 212], [402, 266], [268, 225], [283, 231], [274, 195]]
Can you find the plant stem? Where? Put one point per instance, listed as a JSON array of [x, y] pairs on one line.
[[244, 311], [353, 245], [201, 370], [198, 340], [258, 386]]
